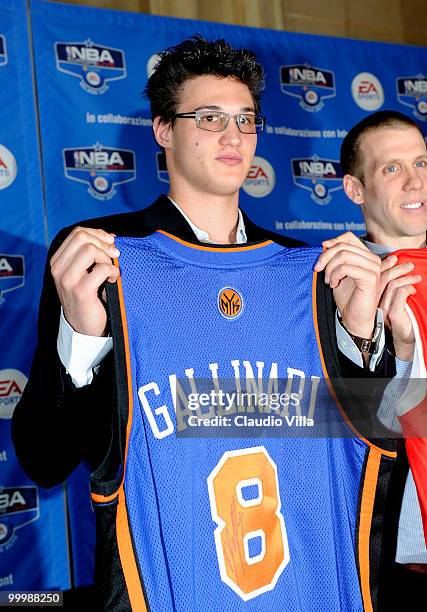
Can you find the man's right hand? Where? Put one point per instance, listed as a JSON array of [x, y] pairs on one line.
[[353, 272], [79, 268]]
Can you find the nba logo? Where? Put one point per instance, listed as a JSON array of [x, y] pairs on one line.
[[95, 65], [310, 84], [412, 92], [100, 167], [319, 176], [19, 506]]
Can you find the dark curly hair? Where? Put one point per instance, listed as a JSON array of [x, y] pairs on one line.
[[199, 57], [350, 158]]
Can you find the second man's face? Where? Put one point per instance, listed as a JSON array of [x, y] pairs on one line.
[[214, 163], [395, 183]]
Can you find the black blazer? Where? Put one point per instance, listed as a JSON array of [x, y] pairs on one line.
[[56, 426]]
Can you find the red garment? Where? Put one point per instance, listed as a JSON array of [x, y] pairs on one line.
[[413, 418]]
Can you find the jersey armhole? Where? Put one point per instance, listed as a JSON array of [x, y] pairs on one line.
[[357, 398], [106, 479]]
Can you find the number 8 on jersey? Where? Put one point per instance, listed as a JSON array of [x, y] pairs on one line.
[[244, 521]]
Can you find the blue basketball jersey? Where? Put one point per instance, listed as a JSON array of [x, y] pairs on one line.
[[224, 500]]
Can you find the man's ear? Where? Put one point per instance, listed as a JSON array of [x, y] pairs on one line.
[[162, 132], [354, 189]]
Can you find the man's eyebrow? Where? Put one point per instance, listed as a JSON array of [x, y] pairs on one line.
[[393, 160], [208, 107], [244, 109], [398, 160]]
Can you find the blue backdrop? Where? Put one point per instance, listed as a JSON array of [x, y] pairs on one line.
[[33, 529], [83, 147]]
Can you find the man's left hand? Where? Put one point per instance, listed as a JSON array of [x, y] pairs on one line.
[[397, 284]]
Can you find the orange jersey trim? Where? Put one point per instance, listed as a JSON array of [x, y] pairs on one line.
[[365, 523], [200, 247], [100, 499], [127, 557], [124, 539], [382, 451], [370, 478]]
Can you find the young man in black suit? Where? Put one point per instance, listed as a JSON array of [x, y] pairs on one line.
[[205, 102]]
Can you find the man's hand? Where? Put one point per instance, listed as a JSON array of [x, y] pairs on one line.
[[397, 284], [354, 273], [79, 267]]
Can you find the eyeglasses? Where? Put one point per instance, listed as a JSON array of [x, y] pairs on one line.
[[217, 121]]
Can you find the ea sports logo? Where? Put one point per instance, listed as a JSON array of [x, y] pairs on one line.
[[12, 383], [261, 178], [8, 167], [230, 303], [367, 91]]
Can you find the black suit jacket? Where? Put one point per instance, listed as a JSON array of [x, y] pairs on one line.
[[56, 426]]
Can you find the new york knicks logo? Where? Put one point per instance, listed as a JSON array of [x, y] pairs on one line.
[[412, 92], [309, 83], [19, 506], [230, 303], [319, 176], [3, 51], [100, 167], [95, 65]]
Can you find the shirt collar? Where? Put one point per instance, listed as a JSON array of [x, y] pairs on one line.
[[203, 236], [378, 249]]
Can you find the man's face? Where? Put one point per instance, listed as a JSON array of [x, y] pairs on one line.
[[215, 163], [394, 194]]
